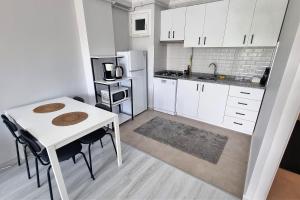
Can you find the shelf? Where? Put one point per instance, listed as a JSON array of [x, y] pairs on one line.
[[115, 104], [103, 82], [124, 118], [107, 56]]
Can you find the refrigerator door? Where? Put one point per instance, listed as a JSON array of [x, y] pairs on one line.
[[137, 60], [139, 86]]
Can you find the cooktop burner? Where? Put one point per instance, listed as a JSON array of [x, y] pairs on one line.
[[169, 73]]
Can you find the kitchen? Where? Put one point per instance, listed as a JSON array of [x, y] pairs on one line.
[[193, 84]]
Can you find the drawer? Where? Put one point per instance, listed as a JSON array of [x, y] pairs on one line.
[[241, 113], [245, 92], [246, 104], [239, 125]]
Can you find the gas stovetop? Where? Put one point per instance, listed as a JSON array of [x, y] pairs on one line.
[[169, 74]]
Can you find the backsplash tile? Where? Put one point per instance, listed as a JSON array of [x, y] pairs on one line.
[[246, 62]]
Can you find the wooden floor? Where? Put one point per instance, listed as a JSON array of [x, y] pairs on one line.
[[285, 186], [140, 177]]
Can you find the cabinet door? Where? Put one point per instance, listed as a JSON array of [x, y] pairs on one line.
[[178, 23], [165, 95], [212, 102], [195, 16], [187, 98], [267, 21], [166, 25], [215, 23], [239, 20]]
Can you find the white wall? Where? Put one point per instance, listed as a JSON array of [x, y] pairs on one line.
[[99, 24], [39, 57], [121, 29], [284, 70]]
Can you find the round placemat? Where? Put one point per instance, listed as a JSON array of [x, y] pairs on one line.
[[49, 108], [69, 119]]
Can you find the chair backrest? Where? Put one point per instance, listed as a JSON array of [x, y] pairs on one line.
[[78, 99], [31, 142], [102, 106], [10, 125]]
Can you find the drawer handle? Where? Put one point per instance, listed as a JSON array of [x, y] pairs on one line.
[[238, 123], [163, 81], [245, 92], [239, 113], [244, 104]]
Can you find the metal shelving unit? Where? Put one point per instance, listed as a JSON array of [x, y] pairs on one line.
[[123, 117]]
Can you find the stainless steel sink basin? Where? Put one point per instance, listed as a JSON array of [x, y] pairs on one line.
[[207, 78]]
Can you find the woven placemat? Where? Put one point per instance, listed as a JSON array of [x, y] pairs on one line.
[[69, 119], [49, 108]]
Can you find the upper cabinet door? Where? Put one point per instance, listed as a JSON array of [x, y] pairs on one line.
[[239, 20], [267, 21], [166, 25], [178, 23], [215, 23], [212, 102], [194, 23]]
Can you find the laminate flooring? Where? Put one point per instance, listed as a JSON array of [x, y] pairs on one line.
[[140, 177]]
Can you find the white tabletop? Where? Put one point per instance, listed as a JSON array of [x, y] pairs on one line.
[[40, 124]]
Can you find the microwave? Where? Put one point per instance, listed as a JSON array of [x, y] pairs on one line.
[[117, 95]]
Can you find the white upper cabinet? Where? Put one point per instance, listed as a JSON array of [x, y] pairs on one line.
[[254, 22], [195, 18], [215, 23], [172, 24], [267, 21], [205, 24], [239, 20], [212, 102], [187, 98]]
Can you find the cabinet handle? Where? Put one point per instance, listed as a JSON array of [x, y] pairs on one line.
[[197, 87], [203, 88], [173, 34], [244, 41], [245, 92], [244, 104], [252, 37], [199, 40], [169, 34], [204, 40], [238, 123], [163, 81], [239, 113]]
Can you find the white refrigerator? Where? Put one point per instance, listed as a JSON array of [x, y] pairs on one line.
[[135, 66]]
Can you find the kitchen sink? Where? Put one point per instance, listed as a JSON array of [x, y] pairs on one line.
[[207, 78]]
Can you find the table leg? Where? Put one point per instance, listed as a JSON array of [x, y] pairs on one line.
[[57, 173], [118, 142]]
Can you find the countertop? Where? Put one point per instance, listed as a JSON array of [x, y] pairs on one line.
[[229, 80]]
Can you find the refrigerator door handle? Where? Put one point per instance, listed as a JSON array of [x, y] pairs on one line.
[[136, 70]]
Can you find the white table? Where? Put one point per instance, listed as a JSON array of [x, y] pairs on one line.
[[53, 137]]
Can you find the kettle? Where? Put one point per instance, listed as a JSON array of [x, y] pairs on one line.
[[119, 72]]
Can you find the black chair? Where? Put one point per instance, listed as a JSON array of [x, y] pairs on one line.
[[97, 135], [77, 98], [64, 153], [18, 140]]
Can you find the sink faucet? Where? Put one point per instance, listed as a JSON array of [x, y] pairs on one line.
[[215, 68]]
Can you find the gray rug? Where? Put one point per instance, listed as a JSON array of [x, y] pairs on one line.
[[200, 143]]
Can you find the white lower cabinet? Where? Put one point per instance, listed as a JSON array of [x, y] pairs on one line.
[[212, 102], [187, 98], [239, 125], [165, 95], [202, 101]]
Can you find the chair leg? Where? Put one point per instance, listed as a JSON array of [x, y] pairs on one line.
[[49, 182], [101, 143], [26, 161], [112, 140], [74, 161], [90, 157], [18, 153], [87, 164], [37, 173]]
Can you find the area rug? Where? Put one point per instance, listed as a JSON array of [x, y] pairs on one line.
[[198, 142]]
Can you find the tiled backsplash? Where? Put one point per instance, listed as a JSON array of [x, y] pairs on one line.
[[247, 62]]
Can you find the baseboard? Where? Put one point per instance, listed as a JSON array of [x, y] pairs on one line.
[[8, 164]]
